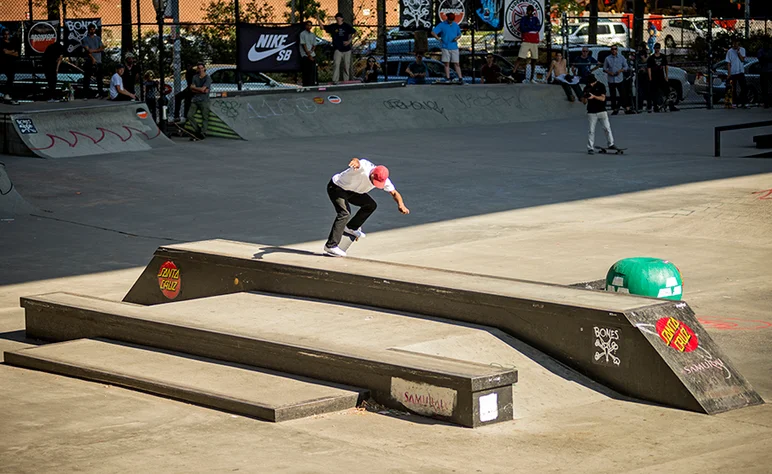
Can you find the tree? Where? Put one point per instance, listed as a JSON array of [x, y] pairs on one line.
[[74, 7], [219, 35], [310, 9]]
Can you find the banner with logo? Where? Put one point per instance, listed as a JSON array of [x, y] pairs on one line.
[[269, 49], [39, 35], [74, 32], [515, 9], [415, 15], [489, 15], [461, 8]]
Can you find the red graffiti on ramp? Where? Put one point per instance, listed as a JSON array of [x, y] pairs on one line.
[[767, 194], [104, 132]]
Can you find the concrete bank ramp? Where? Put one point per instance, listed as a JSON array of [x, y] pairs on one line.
[[11, 202], [80, 130], [341, 111]]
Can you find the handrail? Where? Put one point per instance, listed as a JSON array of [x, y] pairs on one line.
[[724, 128]]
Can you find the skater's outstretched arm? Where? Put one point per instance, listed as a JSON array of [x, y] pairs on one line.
[[400, 204]]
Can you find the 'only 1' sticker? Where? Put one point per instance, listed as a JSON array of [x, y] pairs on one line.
[[677, 335], [169, 280]]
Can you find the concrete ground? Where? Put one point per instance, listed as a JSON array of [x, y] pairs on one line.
[[520, 200]]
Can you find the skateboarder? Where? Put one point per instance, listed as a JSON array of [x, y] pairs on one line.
[[595, 98], [352, 186]]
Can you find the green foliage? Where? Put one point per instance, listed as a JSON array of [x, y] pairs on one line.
[[74, 7], [311, 10], [190, 53], [571, 7], [218, 40], [722, 41]]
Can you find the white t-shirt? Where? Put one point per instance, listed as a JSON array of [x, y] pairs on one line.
[[735, 64], [358, 180], [116, 80]]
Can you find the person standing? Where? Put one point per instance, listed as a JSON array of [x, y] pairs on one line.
[[595, 98], [417, 70], [117, 91], [351, 187], [202, 83], [735, 60], [341, 33], [9, 54], [185, 94], [131, 74], [151, 87], [642, 86], [530, 26], [490, 72], [653, 33], [52, 58], [658, 79], [615, 67], [448, 33], [92, 45], [765, 63], [308, 55]]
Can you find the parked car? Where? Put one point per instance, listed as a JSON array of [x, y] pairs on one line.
[[720, 73], [402, 46], [678, 79], [681, 32], [608, 33], [396, 66], [224, 79]]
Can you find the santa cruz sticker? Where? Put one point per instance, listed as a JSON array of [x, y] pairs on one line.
[[677, 335], [169, 280]]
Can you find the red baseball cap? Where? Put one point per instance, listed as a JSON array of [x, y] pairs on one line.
[[379, 176]]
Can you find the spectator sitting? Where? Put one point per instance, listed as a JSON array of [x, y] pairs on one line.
[[417, 70], [371, 71], [558, 73], [151, 93], [490, 73], [131, 74], [117, 92]]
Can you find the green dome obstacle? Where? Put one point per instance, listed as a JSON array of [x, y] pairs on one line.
[[645, 276]]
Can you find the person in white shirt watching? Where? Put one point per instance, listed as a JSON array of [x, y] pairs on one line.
[[351, 187], [735, 59], [117, 92]]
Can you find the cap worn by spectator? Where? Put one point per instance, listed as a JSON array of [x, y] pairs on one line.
[[379, 176]]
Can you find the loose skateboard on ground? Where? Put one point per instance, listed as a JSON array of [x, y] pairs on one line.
[[182, 131], [616, 151]]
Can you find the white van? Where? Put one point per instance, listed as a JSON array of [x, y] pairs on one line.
[[608, 33]]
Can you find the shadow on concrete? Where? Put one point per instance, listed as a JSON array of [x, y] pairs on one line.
[[269, 250]]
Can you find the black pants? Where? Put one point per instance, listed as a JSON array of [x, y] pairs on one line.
[[340, 199], [618, 95], [740, 91], [308, 67], [152, 105], [658, 91], [567, 89], [9, 70], [91, 69], [643, 91], [766, 88], [51, 77], [184, 95]]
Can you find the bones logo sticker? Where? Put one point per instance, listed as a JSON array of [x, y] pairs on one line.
[[169, 280]]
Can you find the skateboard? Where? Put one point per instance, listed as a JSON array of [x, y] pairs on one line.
[[182, 131], [346, 241], [618, 151], [452, 82], [729, 94]]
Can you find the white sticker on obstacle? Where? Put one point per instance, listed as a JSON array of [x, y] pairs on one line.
[[489, 407], [665, 292], [671, 281], [618, 281], [423, 398], [677, 290], [623, 290]]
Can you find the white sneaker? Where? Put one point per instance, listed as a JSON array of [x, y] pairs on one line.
[[334, 251], [357, 233]]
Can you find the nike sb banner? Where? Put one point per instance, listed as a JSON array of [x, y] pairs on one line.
[[269, 49]]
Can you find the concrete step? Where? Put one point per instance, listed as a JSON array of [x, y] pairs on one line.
[[235, 388], [465, 393]]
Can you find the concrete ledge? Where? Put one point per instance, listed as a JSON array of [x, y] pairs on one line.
[[234, 388], [621, 341], [465, 393]]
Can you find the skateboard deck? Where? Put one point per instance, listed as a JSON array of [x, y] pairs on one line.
[[182, 131], [618, 151], [452, 82], [346, 241], [729, 96]]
